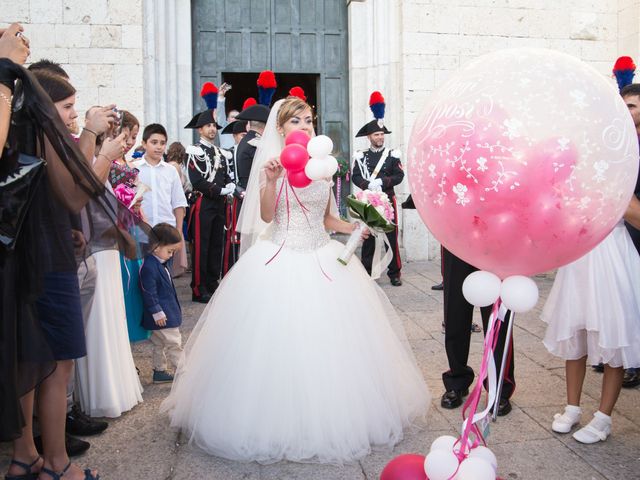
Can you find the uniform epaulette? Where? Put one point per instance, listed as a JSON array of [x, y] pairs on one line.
[[254, 142], [194, 150], [226, 153], [396, 154], [358, 155]]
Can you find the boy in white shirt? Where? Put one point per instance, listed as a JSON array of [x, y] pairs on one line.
[[165, 202]]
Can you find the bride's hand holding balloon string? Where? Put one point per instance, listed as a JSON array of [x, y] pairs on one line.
[[273, 169]]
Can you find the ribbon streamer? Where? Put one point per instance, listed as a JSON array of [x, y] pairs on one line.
[[487, 370], [380, 263]]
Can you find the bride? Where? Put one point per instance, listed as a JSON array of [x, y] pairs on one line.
[[297, 356]]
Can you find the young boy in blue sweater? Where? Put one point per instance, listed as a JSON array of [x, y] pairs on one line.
[[162, 313]]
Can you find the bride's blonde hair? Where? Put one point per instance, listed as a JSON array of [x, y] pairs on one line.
[[291, 107]]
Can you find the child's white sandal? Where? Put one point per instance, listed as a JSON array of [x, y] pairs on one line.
[[591, 433], [564, 422]]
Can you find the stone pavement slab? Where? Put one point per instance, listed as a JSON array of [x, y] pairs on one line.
[[142, 445]]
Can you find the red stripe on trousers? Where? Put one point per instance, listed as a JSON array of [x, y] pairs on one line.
[[398, 260], [196, 247]]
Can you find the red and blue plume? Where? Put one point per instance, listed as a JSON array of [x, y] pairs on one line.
[[249, 102], [209, 93], [266, 87], [298, 92], [624, 70], [376, 104]]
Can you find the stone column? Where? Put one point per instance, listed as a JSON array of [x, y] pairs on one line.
[[168, 66], [629, 30]]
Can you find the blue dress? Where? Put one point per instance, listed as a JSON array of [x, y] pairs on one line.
[[122, 173]]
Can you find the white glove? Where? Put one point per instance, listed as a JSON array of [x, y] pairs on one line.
[[226, 191], [375, 184], [231, 185]]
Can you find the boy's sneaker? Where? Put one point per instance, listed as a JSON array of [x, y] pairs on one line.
[[162, 376]]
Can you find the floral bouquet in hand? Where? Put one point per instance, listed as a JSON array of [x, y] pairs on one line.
[[373, 209]]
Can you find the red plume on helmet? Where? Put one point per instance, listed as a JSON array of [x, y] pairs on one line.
[[266, 87], [377, 105], [624, 70], [209, 92], [298, 92], [249, 102]]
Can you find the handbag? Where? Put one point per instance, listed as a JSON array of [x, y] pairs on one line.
[[17, 189]]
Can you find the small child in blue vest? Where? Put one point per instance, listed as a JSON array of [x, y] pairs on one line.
[[162, 313]]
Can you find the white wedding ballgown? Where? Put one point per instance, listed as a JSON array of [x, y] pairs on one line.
[[298, 358]]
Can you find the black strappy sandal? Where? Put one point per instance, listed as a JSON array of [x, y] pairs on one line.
[[57, 476], [28, 475]]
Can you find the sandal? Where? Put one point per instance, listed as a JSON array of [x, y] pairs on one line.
[[57, 476], [28, 475], [564, 422], [597, 430]]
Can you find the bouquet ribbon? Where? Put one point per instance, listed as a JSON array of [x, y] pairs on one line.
[[380, 262]]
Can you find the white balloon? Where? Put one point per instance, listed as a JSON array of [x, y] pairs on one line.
[[475, 469], [485, 454], [481, 288], [440, 464], [445, 442], [330, 166], [519, 293], [320, 146], [315, 169]]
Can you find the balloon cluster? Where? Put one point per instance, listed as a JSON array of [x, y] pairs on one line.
[[443, 463], [517, 292], [307, 159]]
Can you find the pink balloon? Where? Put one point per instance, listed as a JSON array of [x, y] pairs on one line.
[[298, 178], [294, 157], [516, 168], [297, 137], [405, 467]]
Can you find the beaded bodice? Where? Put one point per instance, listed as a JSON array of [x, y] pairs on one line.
[[305, 230]]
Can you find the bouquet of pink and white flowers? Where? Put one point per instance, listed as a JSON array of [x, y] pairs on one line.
[[373, 209]]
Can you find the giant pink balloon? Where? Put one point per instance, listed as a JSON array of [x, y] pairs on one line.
[[405, 467], [523, 161]]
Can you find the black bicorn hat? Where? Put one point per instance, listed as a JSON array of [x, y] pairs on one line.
[[203, 118], [256, 113], [372, 127], [238, 126], [377, 106]]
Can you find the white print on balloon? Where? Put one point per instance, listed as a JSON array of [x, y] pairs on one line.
[[482, 164], [502, 174], [579, 98], [440, 150], [461, 190], [562, 144], [513, 128], [462, 162], [584, 203], [600, 167]]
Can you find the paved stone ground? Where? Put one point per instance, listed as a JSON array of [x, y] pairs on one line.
[[140, 444]]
